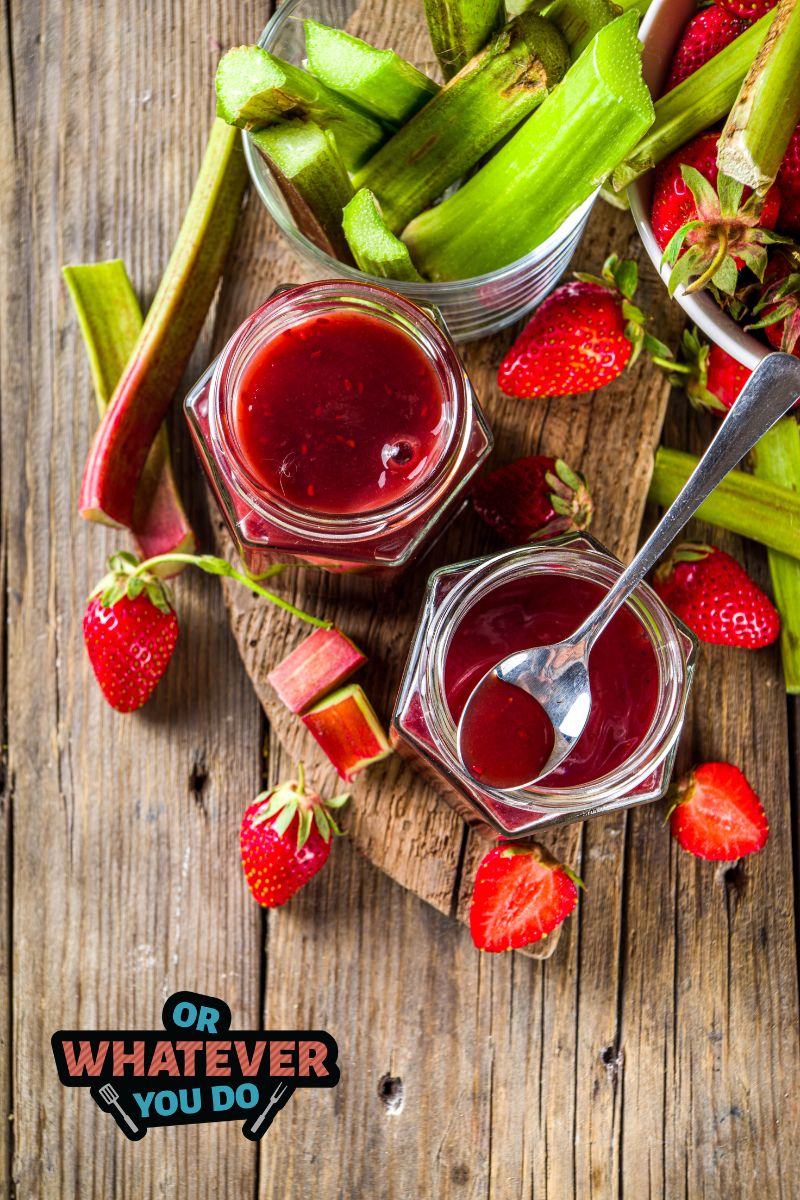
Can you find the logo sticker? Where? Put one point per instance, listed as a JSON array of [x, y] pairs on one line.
[[196, 1069]]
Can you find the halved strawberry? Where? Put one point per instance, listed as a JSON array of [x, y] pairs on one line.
[[716, 815], [521, 894]]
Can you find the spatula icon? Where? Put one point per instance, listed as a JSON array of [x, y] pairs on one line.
[[110, 1097]]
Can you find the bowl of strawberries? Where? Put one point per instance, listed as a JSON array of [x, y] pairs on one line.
[[729, 253]]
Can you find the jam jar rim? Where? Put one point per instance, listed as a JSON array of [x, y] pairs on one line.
[[428, 336], [644, 603]]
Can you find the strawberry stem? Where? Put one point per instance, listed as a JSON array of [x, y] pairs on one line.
[[220, 566], [719, 258]]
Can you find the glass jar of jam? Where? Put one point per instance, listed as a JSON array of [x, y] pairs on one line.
[[640, 669], [337, 427]]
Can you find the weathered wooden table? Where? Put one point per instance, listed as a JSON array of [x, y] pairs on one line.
[[655, 1054]]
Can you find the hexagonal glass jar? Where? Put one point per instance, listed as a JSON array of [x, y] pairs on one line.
[[266, 527], [423, 728]]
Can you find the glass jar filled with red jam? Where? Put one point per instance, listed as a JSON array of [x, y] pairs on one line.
[[640, 670], [338, 426]]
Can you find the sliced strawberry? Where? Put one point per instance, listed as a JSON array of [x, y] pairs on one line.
[[532, 498], [521, 894], [716, 815]]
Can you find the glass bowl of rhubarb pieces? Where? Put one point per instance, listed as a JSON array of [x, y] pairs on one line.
[[729, 252], [459, 167]]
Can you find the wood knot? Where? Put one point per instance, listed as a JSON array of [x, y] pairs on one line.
[[391, 1092]]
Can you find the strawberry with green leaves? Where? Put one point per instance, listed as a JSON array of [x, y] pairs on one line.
[[708, 225], [581, 337], [285, 839], [130, 626], [533, 498], [777, 310], [712, 594], [716, 815], [711, 378], [130, 630], [520, 895]]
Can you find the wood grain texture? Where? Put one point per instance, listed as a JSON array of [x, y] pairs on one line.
[[655, 1055]]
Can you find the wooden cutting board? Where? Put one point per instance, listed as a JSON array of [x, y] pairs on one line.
[[395, 817]]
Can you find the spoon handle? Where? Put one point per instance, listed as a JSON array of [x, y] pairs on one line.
[[769, 393]]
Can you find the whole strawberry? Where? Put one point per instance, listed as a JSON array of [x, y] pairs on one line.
[[580, 338], [788, 181], [708, 235], [707, 32], [711, 593], [749, 10], [778, 309], [520, 895], [532, 498], [130, 629], [285, 839], [711, 377], [716, 815]]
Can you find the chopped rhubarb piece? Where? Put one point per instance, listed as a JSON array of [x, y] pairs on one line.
[[347, 729], [319, 664]]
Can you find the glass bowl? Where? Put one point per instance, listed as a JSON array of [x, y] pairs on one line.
[[471, 308]]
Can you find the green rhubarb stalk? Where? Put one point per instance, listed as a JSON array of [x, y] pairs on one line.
[[767, 109], [309, 171], [547, 169], [379, 81], [143, 395], [466, 118], [577, 20], [110, 320], [776, 458], [703, 98], [255, 89], [460, 28], [754, 508], [375, 248]]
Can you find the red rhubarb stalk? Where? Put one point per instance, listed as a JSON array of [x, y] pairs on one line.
[[322, 662], [143, 395], [110, 320], [347, 729]]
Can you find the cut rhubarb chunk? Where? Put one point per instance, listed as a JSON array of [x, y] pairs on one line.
[[459, 28], [379, 81], [255, 89], [309, 171], [318, 665], [375, 248], [347, 729]]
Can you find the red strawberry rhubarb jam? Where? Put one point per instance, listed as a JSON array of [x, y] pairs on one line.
[[506, 736], [510, 742], [341, 413]]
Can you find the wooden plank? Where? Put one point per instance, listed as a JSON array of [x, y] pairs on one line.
[[120, 824], [398, 821]]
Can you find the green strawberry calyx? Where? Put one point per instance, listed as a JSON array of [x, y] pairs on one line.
[[571, 501], [128, 577], [542, 856], [690, 372], [783, 297], [621, 277], [291, 799], [703, 251]]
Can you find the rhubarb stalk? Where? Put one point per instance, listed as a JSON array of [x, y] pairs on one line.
[[776, 458], [471, 114], [255, 89], [375, 248], [346, 727], [547, 169], [322, 662], [578, 20], [460, 28], [143, 395], [743, 504], [110, 320], [313, 180], [379, 81], [767, 109], [702, 99]]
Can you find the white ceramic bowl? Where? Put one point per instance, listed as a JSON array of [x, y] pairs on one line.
[[660, 32]]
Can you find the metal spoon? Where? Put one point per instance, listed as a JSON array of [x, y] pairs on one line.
[[557, 676]]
